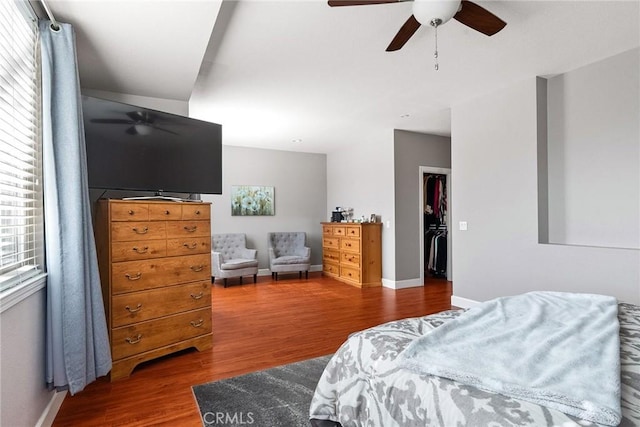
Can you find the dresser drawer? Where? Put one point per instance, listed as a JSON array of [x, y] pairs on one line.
[[331, 242], [140, 337], [165, 211], [191, 212], [350, 245], [327, 230], [145, 305], [129, 212], [350, 258], [154, 273], [339, 231], [129, 231], [187, 246], [139, 249], [352, 231], [350, 273], [188, 228], [332, 269], [331, 255]]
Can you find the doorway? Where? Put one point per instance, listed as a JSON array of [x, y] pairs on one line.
[[435, 219]]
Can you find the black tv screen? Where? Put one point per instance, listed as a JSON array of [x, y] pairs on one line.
[[138, 149]]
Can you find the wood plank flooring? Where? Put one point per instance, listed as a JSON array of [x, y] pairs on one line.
[[255, 326]]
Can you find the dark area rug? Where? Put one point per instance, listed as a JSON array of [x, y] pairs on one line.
[[271, 398]]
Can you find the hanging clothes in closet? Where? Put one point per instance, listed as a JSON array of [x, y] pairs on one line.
[[435, 224]]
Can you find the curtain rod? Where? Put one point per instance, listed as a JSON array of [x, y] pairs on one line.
[[54, 23]]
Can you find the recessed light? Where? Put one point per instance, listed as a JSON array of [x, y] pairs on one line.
[[296, 141], [405, 116]]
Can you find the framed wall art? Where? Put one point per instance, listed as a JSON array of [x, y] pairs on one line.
[[252, 200]]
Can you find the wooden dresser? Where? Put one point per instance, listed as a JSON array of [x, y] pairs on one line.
[[155, 268], [352, 252]]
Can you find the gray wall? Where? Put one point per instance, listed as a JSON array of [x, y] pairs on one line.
[[24, 395], [594, 154], [300, 182], [360, 176], [494, 158], [410, 151]]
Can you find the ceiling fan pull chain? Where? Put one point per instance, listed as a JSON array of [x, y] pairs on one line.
[[435, 54]]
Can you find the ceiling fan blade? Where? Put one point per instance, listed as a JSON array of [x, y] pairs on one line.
[[165, 130], [479, 18], [404, 34], [112, 121], [334, 3]]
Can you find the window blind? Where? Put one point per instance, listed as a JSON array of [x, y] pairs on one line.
[[21, 221]]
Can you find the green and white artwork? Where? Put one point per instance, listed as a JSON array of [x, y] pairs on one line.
[[252, 200]]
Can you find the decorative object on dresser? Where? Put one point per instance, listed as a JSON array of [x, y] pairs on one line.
[[352, 253], [231, 258], [288, 252], [155, 268]]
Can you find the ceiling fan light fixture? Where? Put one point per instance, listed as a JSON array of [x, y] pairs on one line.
[[142, 128], [435, 12]]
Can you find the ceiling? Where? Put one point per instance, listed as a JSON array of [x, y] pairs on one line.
[[302, 76]]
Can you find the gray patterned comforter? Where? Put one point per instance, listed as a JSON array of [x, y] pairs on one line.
[[362, 386]]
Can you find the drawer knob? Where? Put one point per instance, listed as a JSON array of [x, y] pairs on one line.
[[136, 276], [135, 340], [167, 212], [191, 229], [197, 268], [197, 324], [133, 310], [142, 230], [198, 296], [190, 246], [141, 250], [197, 212], [130, 212]]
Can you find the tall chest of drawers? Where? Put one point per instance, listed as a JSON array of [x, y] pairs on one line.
[[352, 252], [155, 267]]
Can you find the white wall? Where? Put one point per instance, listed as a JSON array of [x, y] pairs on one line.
[[360, 176], [494, 162], [594, 154], [300, 181], [161, 104], [23, 392]]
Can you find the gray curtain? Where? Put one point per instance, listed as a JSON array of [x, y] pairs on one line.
[[77, 339]]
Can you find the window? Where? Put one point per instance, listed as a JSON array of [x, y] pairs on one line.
[[21, 221]]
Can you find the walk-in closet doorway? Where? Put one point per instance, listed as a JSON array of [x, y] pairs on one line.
[[435, 226]]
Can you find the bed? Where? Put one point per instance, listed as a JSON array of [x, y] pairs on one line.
[[363, 385]]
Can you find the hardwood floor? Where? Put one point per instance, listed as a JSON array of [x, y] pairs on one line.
[[255, 326]]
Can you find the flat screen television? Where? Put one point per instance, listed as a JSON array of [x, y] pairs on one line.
[[138, 149]]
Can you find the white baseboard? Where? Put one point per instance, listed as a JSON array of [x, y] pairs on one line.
[[463, 302], [50, 412], [402, 284]]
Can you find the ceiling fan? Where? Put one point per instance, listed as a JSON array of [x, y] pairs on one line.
[[142, 123], [436, 13]]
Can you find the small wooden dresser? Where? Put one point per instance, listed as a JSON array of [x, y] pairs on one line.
[[352, 252], [155, 268]]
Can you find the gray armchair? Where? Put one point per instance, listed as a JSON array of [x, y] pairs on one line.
[[288, 253], [231, 258]]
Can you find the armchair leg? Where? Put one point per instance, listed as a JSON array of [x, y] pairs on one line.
[[213, 279], [276, 276], [306, 274], [255, 278], [241, 280], [225, 282], [299, 274]]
